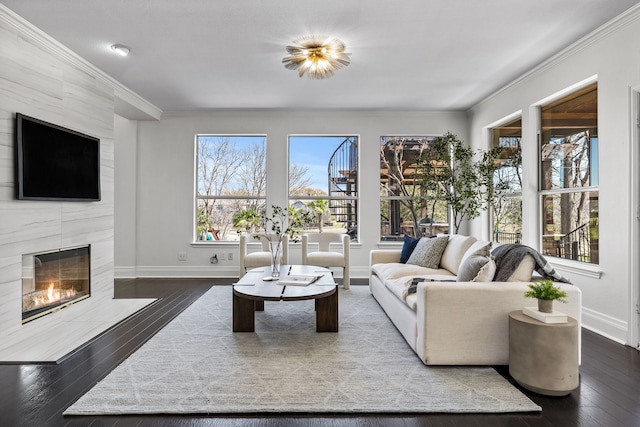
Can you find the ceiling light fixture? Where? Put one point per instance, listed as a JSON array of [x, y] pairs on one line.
[[317, 56], [121, 49]]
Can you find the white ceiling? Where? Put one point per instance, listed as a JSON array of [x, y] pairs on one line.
[[191, 55]]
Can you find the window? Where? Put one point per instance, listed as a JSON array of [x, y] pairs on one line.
[[405, 207], [323, 177], [506, 208], [230, 187], [569, 176]]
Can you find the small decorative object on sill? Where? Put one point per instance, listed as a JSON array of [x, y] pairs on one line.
[[551, 317]]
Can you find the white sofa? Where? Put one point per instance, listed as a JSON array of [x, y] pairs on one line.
[[448, 322]]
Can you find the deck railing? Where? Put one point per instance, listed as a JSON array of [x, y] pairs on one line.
[[576, 244], [502, 237]]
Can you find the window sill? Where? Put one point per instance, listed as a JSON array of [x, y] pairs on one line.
[[205, 243], [575, 267]]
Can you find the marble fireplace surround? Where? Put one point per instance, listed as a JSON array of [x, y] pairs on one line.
[[50, 338]]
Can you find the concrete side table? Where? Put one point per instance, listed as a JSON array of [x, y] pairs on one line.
[[543, 357]]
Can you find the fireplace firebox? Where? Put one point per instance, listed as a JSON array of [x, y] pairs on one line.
[[53, 280]]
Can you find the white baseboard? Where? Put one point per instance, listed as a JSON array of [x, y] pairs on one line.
[[609, 327], [230, 271]]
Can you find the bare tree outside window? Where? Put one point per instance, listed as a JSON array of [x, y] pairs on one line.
[[231, 184], [231, 176], [406, 207], [569, 176], [506, 207]]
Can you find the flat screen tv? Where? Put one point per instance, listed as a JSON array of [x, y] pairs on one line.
[[55, 163]]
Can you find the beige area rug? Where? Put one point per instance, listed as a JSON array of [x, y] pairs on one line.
[[197, 365]]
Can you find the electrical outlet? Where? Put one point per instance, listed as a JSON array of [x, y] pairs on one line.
[[182, 256], [230, 256], [222, 256], [214, 259]]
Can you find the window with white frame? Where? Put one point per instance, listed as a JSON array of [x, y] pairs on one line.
[[230, 185], [506, 206], [323, 179], [569, 176], [406, 207]]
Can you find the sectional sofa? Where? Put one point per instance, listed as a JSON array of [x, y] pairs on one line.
[[452, 316]]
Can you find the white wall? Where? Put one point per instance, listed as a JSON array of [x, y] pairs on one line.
[[613, 56], [125, 147], [165, 179]]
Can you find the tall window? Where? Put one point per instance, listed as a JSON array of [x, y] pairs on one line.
[[506, 209], [569, 176], [405, 207], [231, 184], [323, 179]]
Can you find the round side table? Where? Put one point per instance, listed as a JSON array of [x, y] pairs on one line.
[[543, 357]]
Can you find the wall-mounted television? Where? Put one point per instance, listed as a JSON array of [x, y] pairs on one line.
[[55, 163]]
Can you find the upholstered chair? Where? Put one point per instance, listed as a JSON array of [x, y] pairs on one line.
[[320, 249], [255, 252]]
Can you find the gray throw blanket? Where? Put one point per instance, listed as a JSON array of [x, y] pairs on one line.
[[509, 256]]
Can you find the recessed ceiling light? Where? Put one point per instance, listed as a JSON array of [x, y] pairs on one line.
[[121, 49]]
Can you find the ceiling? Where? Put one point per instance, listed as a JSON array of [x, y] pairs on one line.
[[432, 55]]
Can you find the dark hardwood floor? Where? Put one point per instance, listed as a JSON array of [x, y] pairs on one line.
[[36, 395]]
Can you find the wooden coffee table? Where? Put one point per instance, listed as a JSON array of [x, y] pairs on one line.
[[251, 291]]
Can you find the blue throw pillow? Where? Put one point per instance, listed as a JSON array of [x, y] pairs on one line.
[[408, 247]]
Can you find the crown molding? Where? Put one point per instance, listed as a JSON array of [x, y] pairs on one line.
[[616, 24], [128, 104]]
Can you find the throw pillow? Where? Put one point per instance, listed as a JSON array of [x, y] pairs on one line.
[[477, 267], [408, 247], [428, 252]]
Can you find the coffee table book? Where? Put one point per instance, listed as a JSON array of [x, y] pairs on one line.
[[299, 279], [553, 317]]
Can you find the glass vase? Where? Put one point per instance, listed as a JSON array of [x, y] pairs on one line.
[[276, 254]]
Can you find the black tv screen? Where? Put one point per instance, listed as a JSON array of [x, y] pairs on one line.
[[56, 163]]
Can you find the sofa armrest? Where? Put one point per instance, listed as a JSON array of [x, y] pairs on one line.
[[380, 256], [467, 323]]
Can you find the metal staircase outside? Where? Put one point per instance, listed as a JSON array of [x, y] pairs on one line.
[[343, 184]]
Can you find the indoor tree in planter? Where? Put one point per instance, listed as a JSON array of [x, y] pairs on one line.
[[545, 292], [449, 169]]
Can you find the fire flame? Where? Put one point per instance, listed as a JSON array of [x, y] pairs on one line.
[[50, 292], [50, 295]]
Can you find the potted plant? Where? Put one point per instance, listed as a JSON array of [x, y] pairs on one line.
[[545, 292]]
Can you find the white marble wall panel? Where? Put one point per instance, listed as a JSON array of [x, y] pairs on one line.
[[38, 80], [10, 274]]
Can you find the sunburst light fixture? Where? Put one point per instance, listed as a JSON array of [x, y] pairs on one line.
[[316, 56]]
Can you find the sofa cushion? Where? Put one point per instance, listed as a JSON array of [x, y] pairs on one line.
[[408, 247], [479, 266], [455, 250], [394, 270], [428, 251], [478, 245]]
